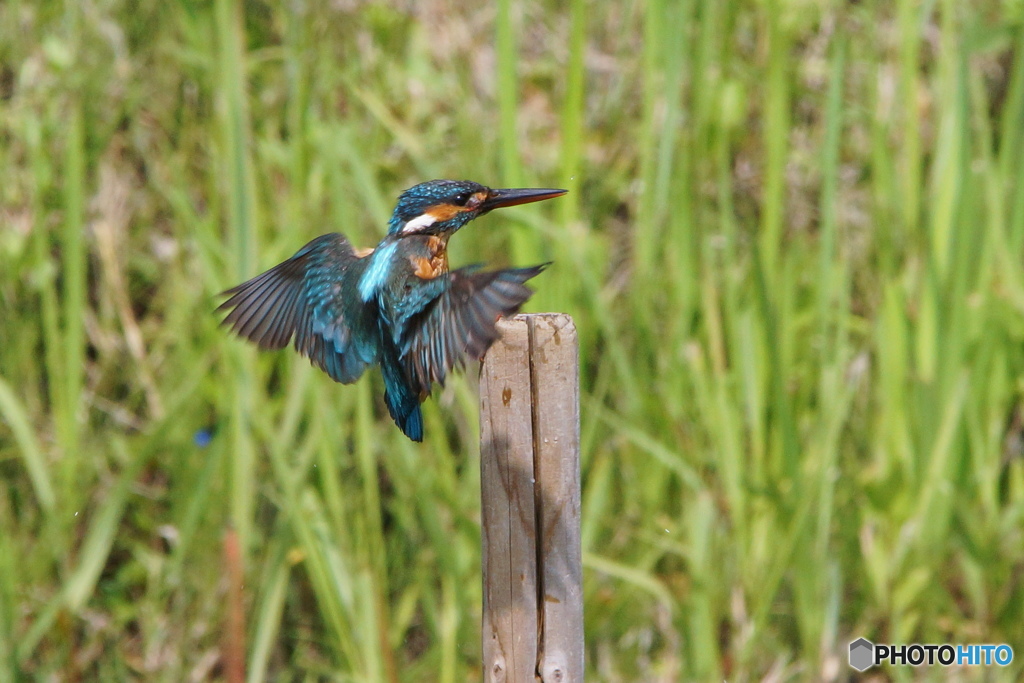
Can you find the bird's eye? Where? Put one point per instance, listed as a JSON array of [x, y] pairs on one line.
[[461, 198]]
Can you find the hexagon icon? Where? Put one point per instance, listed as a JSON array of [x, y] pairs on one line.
[[862, 654]]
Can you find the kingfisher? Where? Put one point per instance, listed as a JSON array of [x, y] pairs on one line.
[[398, 305]]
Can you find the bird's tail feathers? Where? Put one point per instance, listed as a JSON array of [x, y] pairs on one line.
[[402, 401], [405, 411]]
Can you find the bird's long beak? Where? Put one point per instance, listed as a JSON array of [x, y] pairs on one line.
[[500, 198]]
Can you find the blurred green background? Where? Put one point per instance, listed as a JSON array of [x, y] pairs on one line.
[[793, 249]]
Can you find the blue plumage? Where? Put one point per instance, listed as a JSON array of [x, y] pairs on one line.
[[399, 307], [377, 271]]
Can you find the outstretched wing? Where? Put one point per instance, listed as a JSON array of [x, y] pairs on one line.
[[460, 322], [304, 298]]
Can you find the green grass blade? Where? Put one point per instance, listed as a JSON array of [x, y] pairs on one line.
[[32, 454]]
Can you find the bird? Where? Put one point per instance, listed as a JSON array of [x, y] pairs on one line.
[[397, 305]]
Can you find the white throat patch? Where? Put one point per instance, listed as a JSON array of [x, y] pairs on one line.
[[424, 220]]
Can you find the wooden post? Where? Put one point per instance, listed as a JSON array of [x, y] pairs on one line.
[[530, 495]]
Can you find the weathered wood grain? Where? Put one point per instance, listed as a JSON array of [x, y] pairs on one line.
[[530, 490], [507, 509], [554, 375]]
